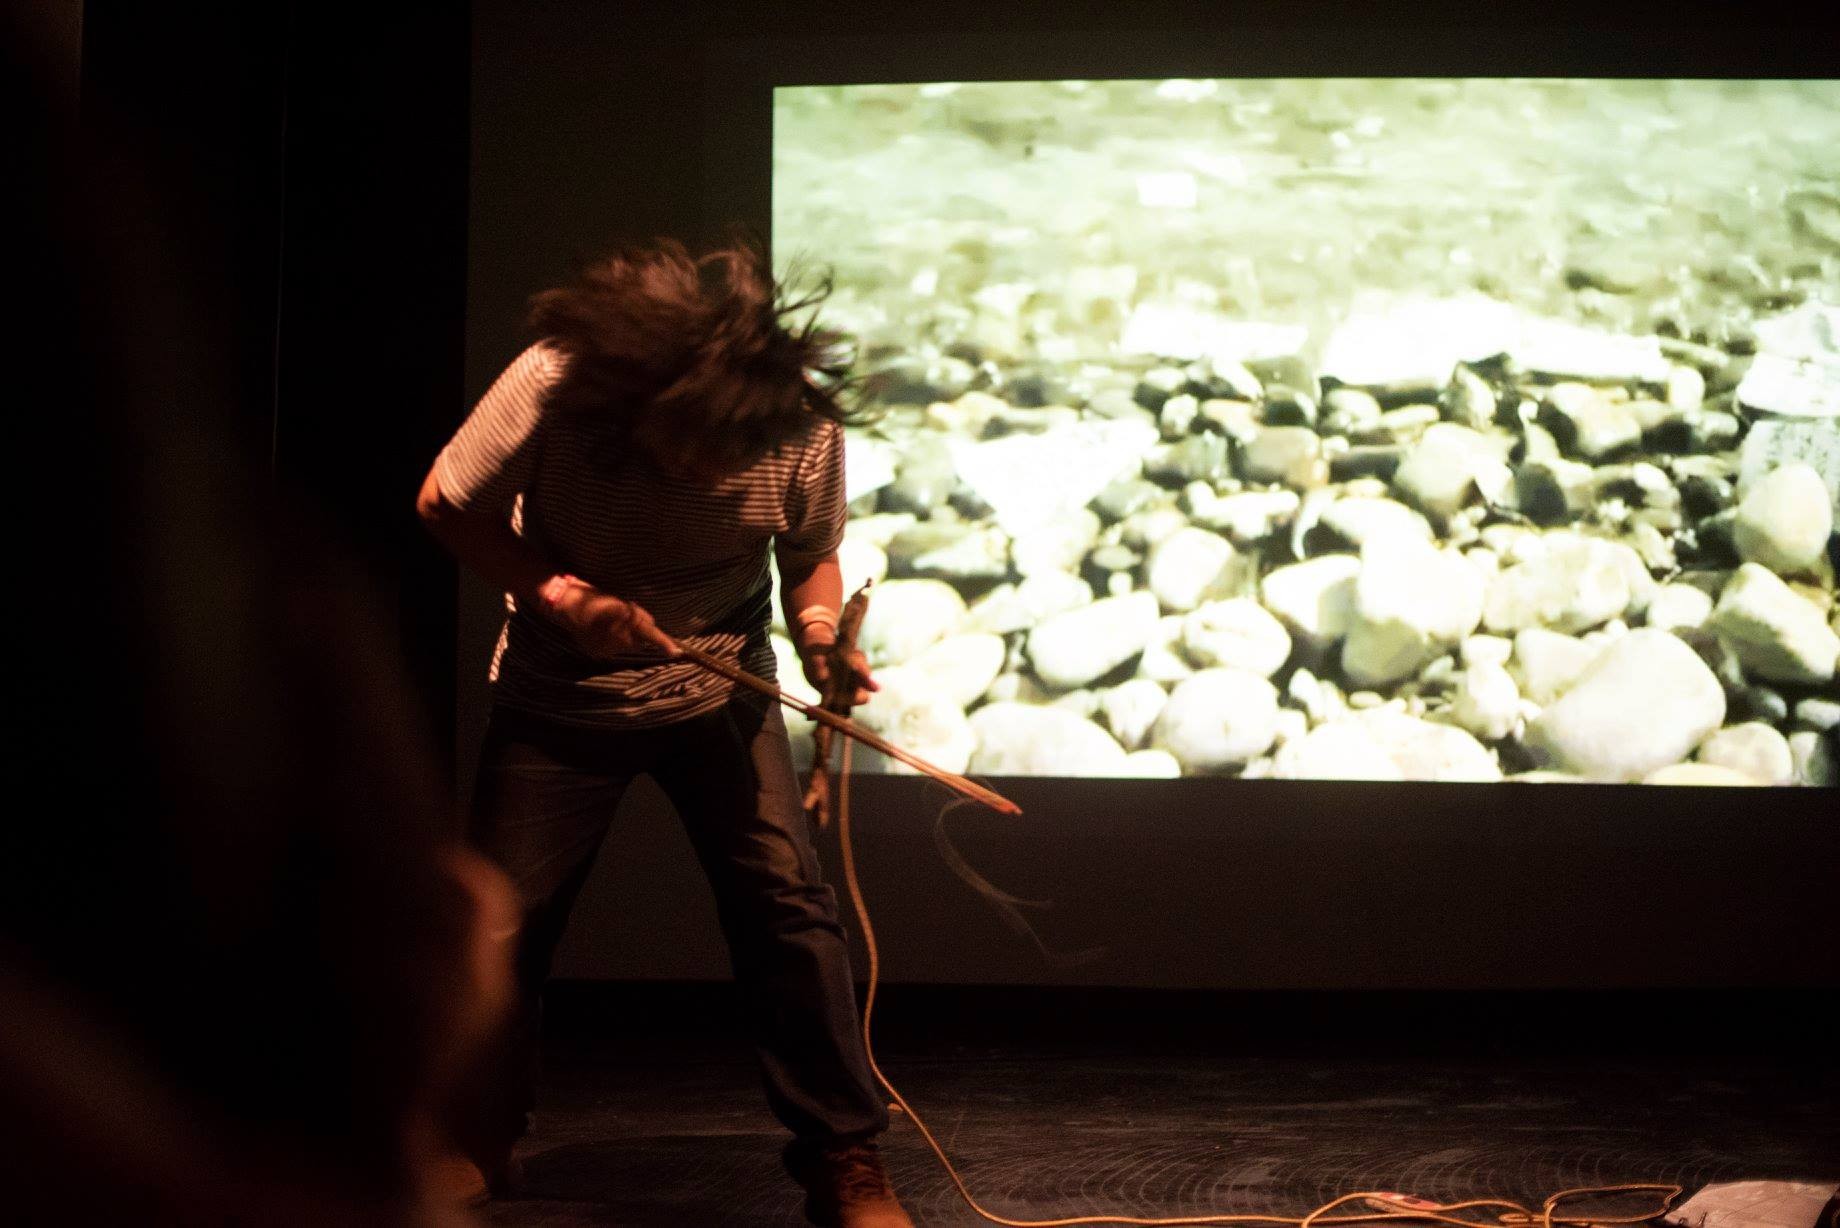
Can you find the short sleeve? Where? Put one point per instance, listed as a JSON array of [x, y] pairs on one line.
[[491, 458], [815, 504]]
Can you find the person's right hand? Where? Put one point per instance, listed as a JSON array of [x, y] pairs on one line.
[[604, 626]]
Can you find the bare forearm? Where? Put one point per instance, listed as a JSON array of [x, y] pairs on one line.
[[817, 584]]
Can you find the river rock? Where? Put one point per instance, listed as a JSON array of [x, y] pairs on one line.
[[1428, 750], [908, 616], [1785, 520], [1284, 455], [1771, 444], [1218, 719], [1588, 424], [926, 477], [1129, 710], [1017, 607], [1819, 714], [915, 713], [1191, 566], [962, 666], [1448, 466], [1752, 748], [1645, 703], [1163, 660], [861, 562], [1575, 583], [1126, 498], [953, 551], [1032, 480], [1072, 649], [1342, 749], [1701, 774], [1415, 343], [1815, 761], [1486, 650], [1198, 458], [1351, 412], [1554, 490], [1777, 634], [1360, 519], [1315, 599], [1486, 702], [1055, 547], [1246, 517], [1678, 607], [1790, 388], [1021, 740], [1237, 633], [1151, 765], [1411, 601]]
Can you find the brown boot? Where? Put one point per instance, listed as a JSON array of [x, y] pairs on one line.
[[845, 1186]]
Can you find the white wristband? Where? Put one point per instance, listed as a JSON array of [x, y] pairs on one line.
[[816, 614]]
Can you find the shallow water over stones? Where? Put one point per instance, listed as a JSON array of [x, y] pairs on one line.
[[1425, 442]]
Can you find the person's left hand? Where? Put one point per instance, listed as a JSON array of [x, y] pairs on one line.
[[821, 659]]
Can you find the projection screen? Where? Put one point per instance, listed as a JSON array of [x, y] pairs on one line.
[[1403, 429]]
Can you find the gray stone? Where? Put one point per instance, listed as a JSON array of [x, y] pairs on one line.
[[1342, 749], [1366, 461], [1315, 599], [1077, 647], [1126, 498], [1361, 519], [1248, 516], [1773, 444], [1752, 748], [962, 666], [1177, 416], [1037, 479], [1778, 634], [1058, 546], [1789, 388], [1587, 423], [1576, 583], [1429, 750], [1218, 719], [1444, 469], [1151, 765], [1237, 633], [1411, 602], [1645, 703], [1286, 455], [908, 616], [1352, 413], [1785, 520], [1702, 775], [1555, 490], [1678, 607], [949, 551], [1408, 423], [1017, 607], [1234, 419], [1191, 566], [1486, 702], [1759, 702], [1021, 740], [1815, 761], [1818, 714], [1468, 400], [1547, 664], [1130, 709], [914, 712], [1196, 458], [925, 478], [1486, 650], [1163, 661]]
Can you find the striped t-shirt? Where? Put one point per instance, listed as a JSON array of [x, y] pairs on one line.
[[693, 555]]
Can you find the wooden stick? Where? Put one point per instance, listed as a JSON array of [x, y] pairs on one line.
[[849, 728]]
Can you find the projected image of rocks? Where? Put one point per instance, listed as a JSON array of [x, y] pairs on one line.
[[1394, 430]]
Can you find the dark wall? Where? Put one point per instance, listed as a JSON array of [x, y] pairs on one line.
[[309, 163], [595, 124]]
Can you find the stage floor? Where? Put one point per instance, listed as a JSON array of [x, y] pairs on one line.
[[672, 1131]]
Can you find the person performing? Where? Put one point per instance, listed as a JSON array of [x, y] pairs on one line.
[[623, 481]]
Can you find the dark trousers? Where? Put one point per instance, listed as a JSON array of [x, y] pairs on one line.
[[545, 796]]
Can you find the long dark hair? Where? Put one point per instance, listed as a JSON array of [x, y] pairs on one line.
[[705, 360]]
